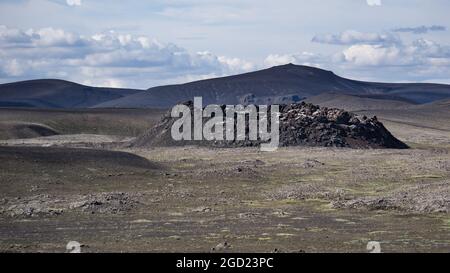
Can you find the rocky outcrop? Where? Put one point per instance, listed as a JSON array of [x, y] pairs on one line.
[[311, 125], [301, 124]]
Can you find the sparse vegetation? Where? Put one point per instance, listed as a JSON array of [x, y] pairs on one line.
[[194, 199]]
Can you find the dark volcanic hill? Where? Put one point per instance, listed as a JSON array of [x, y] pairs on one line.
[[301, 124], [56, 94], [277, 85], [281, 84]]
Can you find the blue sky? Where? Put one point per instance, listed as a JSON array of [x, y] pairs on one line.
[[139, 44]]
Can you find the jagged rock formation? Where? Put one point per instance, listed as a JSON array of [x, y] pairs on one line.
[[301, 124], [308, 124]]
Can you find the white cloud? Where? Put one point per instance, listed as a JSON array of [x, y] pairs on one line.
[[13, 68], [73, 2], [107, 59], [124, 60], [419, 52], [421, 29], [372, 55], [104, 82], [374, 2], [236, 64], [55, 37], [303, 58], [13, 36], [419, 60], [385, 56], [351, 37]]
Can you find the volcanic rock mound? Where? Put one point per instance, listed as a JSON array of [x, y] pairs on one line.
[[308, 124], [301, 124]]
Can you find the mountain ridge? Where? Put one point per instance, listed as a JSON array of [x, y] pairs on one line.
[[55, 93], [276, 85], [280, 84]]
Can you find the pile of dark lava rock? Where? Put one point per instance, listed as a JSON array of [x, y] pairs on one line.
[[311, 125], [300, 124]]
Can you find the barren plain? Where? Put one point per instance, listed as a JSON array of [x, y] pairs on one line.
[[84, 185]]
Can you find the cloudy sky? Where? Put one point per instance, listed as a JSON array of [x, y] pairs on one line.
[[143, 43]]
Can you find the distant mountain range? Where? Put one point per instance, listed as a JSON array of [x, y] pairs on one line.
[[57, 94], [279, 84]]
